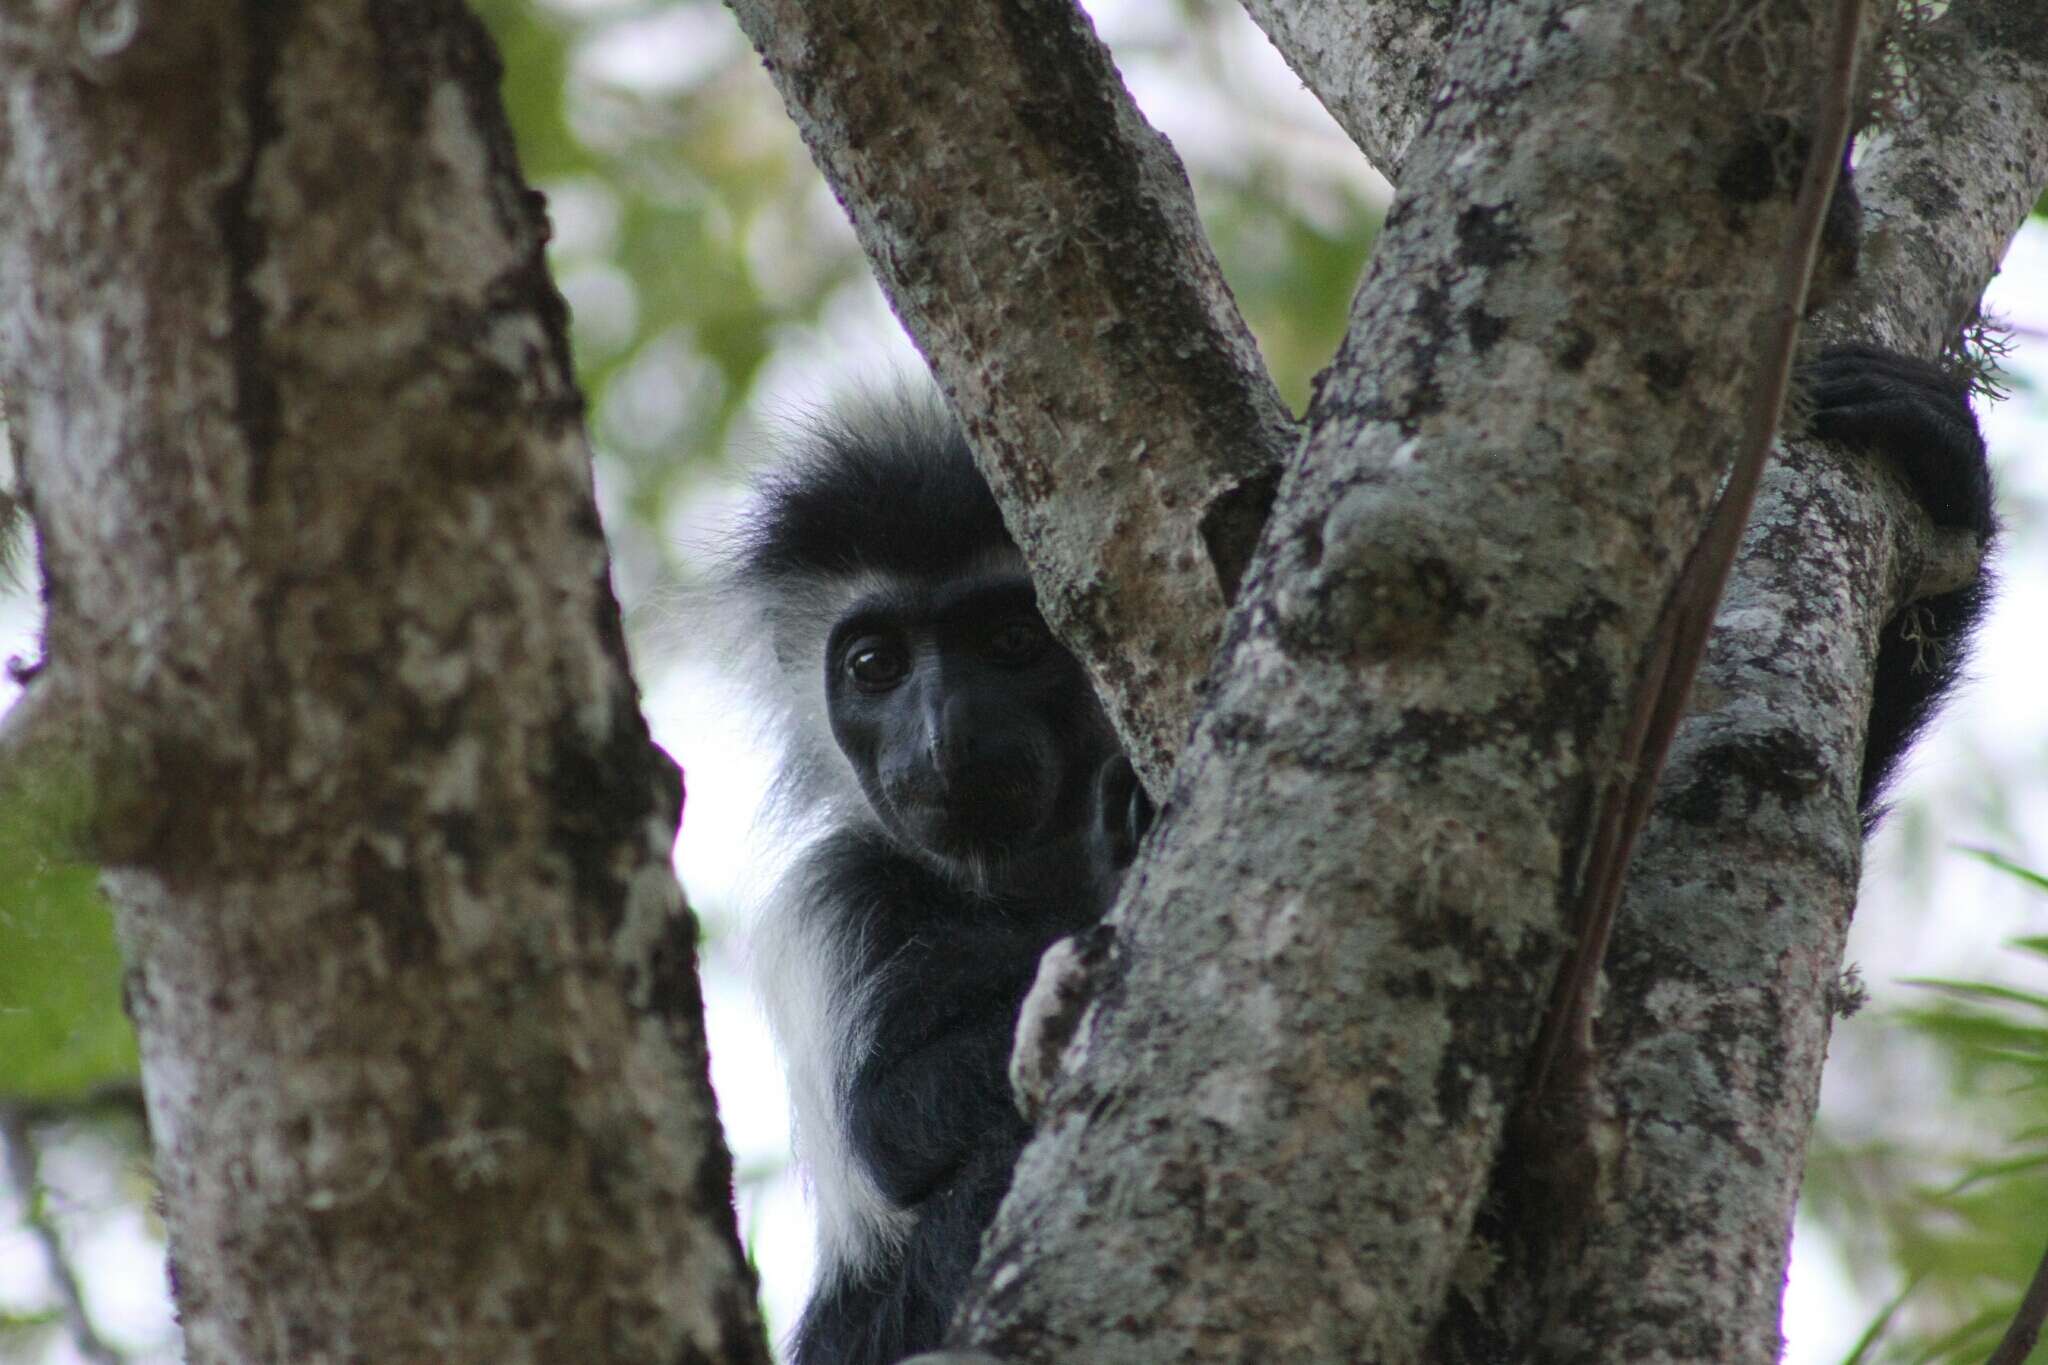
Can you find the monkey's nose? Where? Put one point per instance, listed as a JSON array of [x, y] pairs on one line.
[[953, 747]]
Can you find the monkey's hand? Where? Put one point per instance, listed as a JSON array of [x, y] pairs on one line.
[[1915, 414], [1070, 976]]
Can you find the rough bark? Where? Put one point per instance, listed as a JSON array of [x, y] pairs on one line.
[[1946, 183], [1276, 1127], [1723, 978], [1374, 64], [1039, 240], [329, 622], [1667, 1239]]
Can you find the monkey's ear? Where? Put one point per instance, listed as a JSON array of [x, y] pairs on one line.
[[1123, 811]]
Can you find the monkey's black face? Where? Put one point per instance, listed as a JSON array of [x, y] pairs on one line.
[[974, 733]]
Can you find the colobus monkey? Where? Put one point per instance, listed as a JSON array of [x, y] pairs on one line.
[[967, 804]]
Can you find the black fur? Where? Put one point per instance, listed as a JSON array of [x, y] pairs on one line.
[[889, 487], [929, 1110], [1916, 415]]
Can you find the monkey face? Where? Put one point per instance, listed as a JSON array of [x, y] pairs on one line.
[[973, 733]]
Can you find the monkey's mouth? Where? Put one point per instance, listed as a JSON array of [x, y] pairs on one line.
[[975, 821]]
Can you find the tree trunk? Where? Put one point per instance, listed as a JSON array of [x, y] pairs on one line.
[[331, 645], [1724, 977]]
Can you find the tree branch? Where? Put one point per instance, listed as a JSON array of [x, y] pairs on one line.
[[1040, 242], [413, 983], [1337, 947], [1374, 65], [1937, 216], [1724, 968], [1681, 639]]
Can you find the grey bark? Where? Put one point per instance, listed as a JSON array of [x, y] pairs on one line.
[[1276, 1128], [1724, 974], [1039, 240], [1374, 64], [330, 640]]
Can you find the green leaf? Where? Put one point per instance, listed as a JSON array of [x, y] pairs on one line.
[[2004, 864], [1878, 1326], [62, 1032], [1980, 990]]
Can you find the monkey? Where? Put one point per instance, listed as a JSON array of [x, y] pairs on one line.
[[970, 804], [965, 803]]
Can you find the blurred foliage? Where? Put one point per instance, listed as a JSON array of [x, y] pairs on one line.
[[62, 1032], [689, 231], [1957, 1232], [1293, 275], [30, 1334]]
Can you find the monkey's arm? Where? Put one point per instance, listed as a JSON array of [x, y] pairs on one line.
[[934, 1088], [902, 1304], [929, 1116]]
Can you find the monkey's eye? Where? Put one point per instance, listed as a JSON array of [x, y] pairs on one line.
[[1018, 642], [876, 664]]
